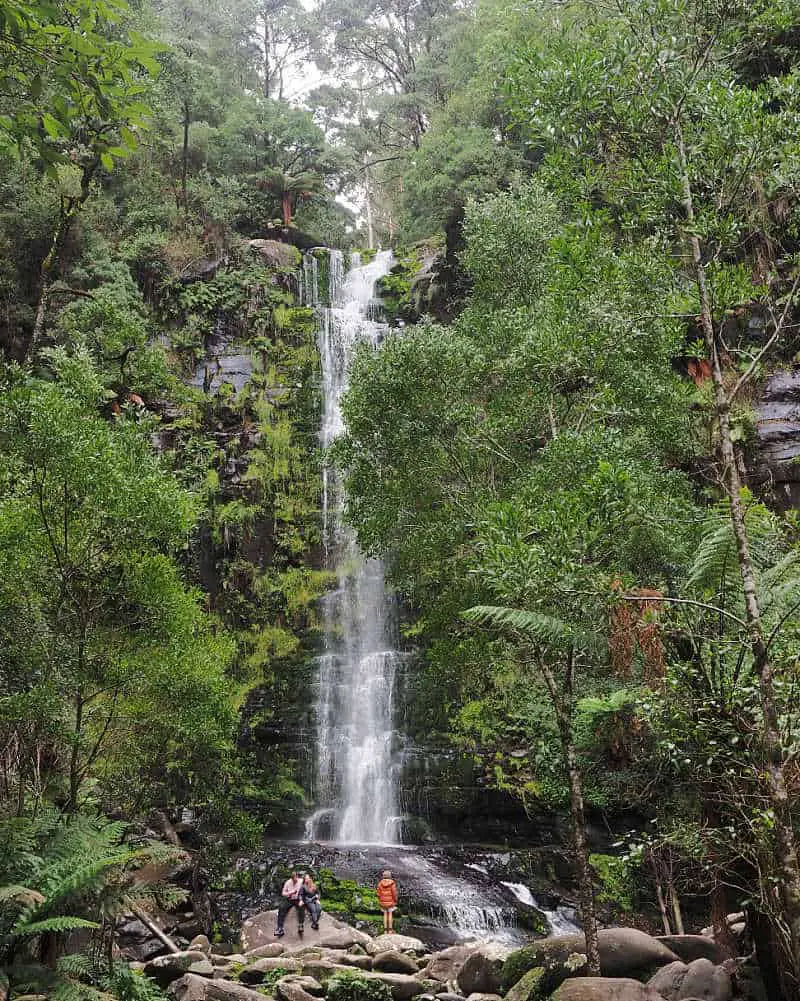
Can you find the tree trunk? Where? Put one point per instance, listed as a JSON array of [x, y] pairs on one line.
[[185, 160], [286, 207], [368, 205], [583, 869], [68, 209], [74, 770], [785, 844], [267, 64]]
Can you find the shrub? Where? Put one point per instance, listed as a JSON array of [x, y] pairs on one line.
[[356, 987]]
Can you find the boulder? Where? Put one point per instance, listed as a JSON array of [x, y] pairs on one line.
[[291, 990], [394, 962], [255, 972], [165, 969], [529, 988], [402, 986], [691, 947], [274, 253], [482, 971], [359, 962], [446, 965], [259, 931], [323, 969], [393, 943], [624, 952], [200, 943], [478, 996], [449, 996], [194, 988], [269, 951], [700, 979], [605, 989], [309, 985]]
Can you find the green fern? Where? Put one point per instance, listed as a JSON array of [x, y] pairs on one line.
[[543, 629], [58, 924]]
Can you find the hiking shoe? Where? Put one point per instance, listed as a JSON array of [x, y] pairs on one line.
[[279, 933], [315, 926]]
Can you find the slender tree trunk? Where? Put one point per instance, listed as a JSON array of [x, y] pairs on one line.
[[368, 200], [267, 63], [185, 160], [583, 869], [74, 770], [286, 205], [785, 844]]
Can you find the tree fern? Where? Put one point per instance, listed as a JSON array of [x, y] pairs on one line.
[[546, 630]]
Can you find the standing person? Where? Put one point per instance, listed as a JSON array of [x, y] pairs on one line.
[[309, 895], [387, 898], [290, 897]]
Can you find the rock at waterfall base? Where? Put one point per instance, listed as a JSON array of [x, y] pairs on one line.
[[393, 943], [269, 951], [309, 985], [624, 952], [691, 947], [289, 990], [193, 988], [259, 931], [528, 988], [255, 972], [482, 972], [698, 979], [446, 965], [394, 962], [359, 962], [605, 989], [165, 969]]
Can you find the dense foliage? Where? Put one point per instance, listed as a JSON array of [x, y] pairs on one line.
[[555, 447]]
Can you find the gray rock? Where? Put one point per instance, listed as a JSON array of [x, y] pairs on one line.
[[360, 962], [529, 988], [290, 990], [254, 972], [200, 943], [667, 982], [624, 952], [274, 253], [482, 972], [449, 996], [323, 969], [394, 943], [478, 996], [194, 988], [691, 947], [259, 931], [309, 985], [605, 989], [394, 962], [699, 979], [269, 951], [402, 986], [165, 969], [446, 965]]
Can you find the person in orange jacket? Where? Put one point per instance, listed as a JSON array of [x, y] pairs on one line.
[[387, 898]]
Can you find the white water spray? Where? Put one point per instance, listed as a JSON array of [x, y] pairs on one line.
[[356, 674]]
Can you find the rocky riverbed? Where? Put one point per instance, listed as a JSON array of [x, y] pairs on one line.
[[342, 963]]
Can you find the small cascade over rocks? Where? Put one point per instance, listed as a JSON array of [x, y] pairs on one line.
[[356, 777]]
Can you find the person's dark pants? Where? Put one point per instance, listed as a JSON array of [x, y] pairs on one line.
[[283, 909], [314, 910]]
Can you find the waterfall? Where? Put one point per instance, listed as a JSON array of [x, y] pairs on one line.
[[356, 672]]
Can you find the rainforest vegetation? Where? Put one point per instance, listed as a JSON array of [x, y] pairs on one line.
[[557, 449]]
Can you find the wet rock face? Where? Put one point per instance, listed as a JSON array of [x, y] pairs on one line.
[[778, 439]]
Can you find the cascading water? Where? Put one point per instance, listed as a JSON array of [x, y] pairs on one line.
[[357, 671]]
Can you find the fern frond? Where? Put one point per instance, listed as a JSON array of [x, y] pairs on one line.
[[545, 629], [59, 923]]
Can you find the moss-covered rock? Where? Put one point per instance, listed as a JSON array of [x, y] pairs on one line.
[[528, 987]]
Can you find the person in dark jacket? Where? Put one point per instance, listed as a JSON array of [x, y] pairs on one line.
[[309, 895]]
